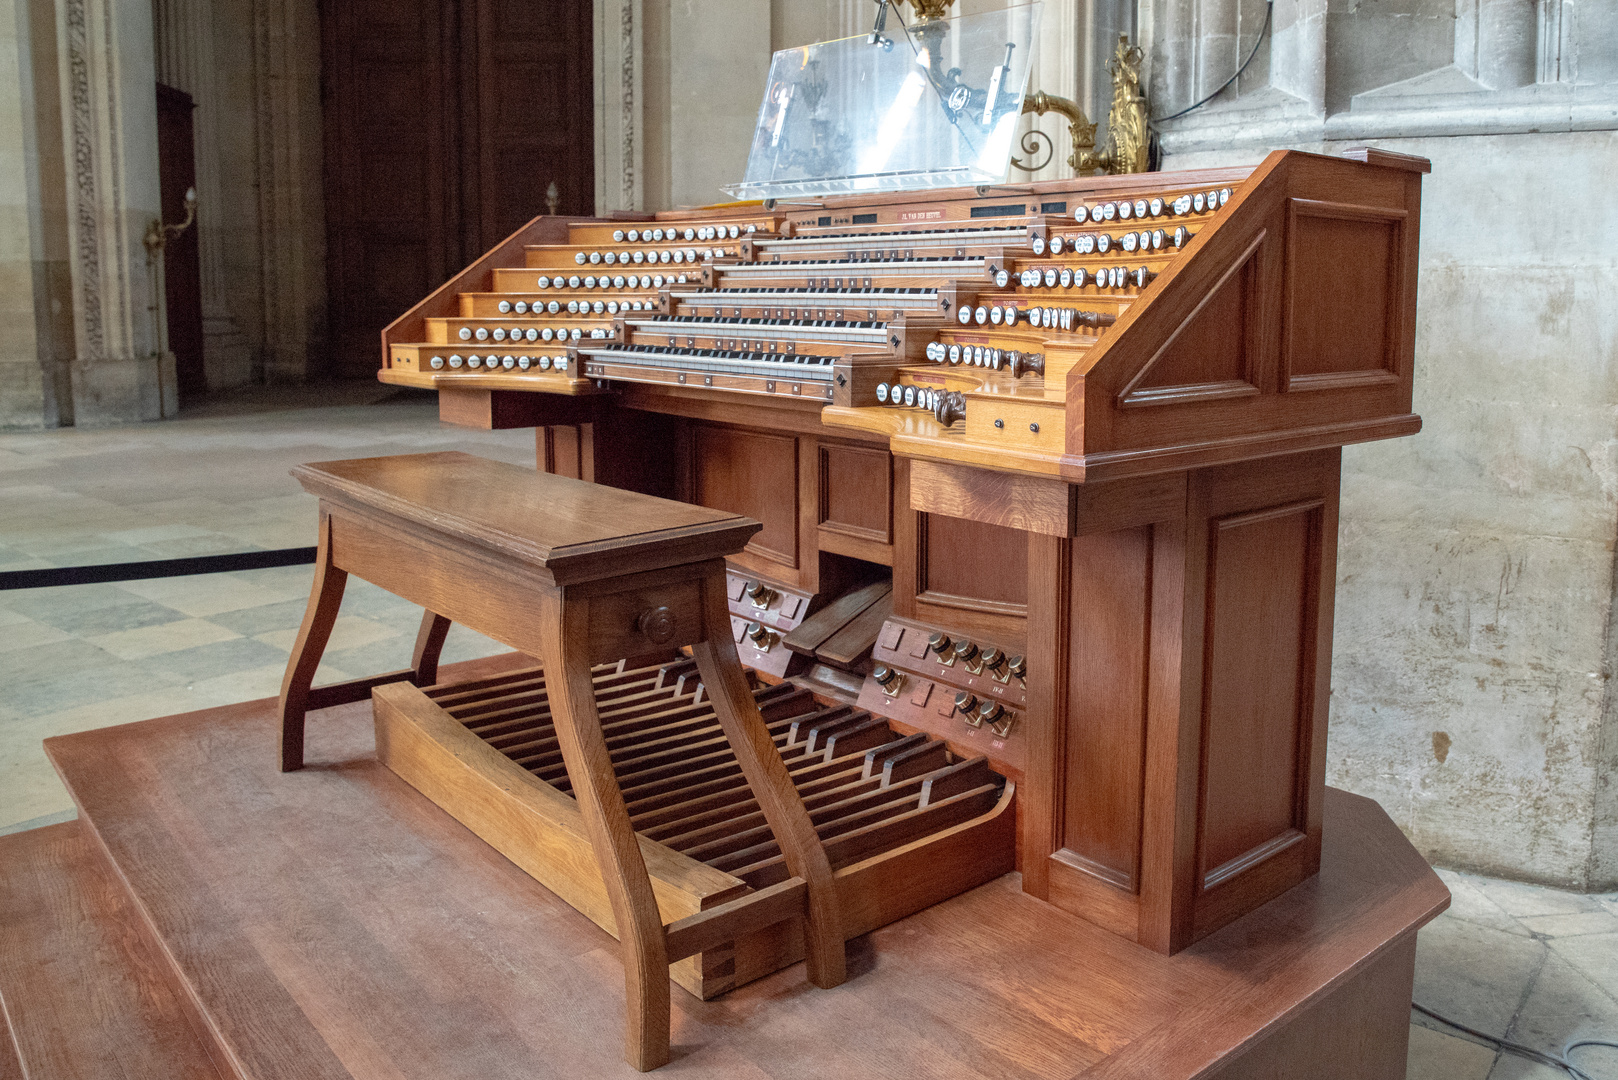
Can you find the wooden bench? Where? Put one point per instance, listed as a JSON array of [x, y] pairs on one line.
[[573, 574]]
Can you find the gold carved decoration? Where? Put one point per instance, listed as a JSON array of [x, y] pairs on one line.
[[930, 10], [1128, 145]]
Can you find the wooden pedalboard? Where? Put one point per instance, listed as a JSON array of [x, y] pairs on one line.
[[905, 822]]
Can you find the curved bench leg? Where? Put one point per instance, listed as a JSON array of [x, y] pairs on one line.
[[565, 635], [824, 955], [429, 646], [325, 597]]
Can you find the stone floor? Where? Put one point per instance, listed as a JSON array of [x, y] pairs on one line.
[[1531, 964], [213, 481]]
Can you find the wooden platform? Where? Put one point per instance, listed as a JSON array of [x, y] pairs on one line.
[[333, 923], [85, 992]]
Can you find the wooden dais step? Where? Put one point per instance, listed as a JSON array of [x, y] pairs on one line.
[[333, 924], [904, 825], [85, 992]]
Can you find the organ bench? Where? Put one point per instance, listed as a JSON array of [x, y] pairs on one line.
[[575, 574]]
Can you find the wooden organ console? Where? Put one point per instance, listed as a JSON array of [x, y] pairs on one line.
[[1048, 477]]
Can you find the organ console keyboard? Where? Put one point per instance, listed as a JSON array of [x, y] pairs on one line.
[[1048, 474]]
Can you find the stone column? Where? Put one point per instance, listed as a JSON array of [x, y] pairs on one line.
[[717, 62], [1297, 51], [620, 146], [1061, 64], [185, 61], [1099, 25], [36, 297], [109, 103], [291, 219], [1173, 76], [1553, 61], [1496, 42]]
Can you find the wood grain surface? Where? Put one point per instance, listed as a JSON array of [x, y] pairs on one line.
[[573, 530], [334, 923], [86, 995]]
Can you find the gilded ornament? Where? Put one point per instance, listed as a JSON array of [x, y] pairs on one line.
[[1128, 144]]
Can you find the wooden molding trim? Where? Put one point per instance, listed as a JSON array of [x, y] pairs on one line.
[[1180, 395]]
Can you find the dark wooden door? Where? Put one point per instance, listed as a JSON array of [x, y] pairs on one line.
[[445, 121], [182, 266], [536, 118]]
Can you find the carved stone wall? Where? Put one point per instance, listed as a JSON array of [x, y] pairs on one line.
[[36, 294], [253, 67], [1472, 690], [620, 146], [110, 135], [704, 64], [1354, 72]]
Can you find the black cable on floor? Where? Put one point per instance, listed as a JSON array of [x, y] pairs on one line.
[[154, 568], [1556, 1061]]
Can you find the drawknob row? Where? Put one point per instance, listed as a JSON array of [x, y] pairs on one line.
[[947, 406], [991, 659], [974, 710], [1017, 362]]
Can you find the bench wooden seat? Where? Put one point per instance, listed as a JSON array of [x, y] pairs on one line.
[[574, 574]]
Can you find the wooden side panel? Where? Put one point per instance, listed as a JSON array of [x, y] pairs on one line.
[[1261, 556], [856, 492], [972, 565], [754, 473], [444, 301], [1188, 745], [1259, 637], [1357, 1031], [1110, 622], [500, 410], [558, 450], [1306, 281], [905, 550], [957, 573], [1347, 334], [634, 450], [759, 475]]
